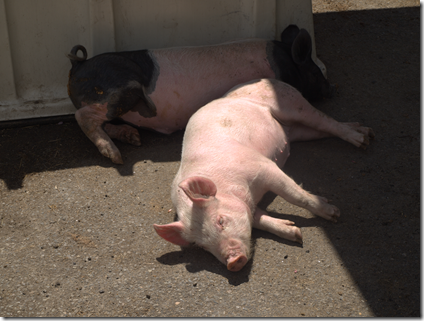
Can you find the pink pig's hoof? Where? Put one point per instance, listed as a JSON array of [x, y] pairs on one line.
[[298, 235], [360, 136], [325, 210], [332, 214], [235, 264], [368, 134]]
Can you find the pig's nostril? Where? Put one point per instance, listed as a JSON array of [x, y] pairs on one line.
[[236, 263]]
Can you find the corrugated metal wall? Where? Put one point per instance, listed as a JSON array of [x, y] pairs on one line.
[[35, 36]]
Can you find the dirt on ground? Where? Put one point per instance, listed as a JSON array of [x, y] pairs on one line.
[[76, 235]]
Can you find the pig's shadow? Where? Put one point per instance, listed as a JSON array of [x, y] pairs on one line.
[[197, 259]]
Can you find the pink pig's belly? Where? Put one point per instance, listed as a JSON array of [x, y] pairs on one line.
[[263, 133], [191, 77], [229, 129]]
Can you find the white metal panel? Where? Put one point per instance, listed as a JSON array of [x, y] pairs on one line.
[[168, 23], [7, 81], [298, 13], [36, 35], [39, 34]]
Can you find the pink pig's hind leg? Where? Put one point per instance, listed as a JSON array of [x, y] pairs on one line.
[[124, 133], [282, 228], [90, 118], [299, 132], [292, 108]]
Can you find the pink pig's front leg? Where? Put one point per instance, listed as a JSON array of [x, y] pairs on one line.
[[279, 227], [279, 183]]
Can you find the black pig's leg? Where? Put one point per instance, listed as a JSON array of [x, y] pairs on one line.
[[91, 118], [124, 133]]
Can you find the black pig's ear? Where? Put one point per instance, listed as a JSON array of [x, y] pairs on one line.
[[289, 35], [302, 47]]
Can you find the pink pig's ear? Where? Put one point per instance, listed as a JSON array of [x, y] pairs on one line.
[[199, 189], [172, 233]]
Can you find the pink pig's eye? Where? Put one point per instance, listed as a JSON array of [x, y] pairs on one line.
[[221, 222]]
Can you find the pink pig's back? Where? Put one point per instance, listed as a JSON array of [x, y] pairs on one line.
[[191, 77]]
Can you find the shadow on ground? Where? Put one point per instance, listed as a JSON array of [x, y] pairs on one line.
[[374, 56], [42, 148]]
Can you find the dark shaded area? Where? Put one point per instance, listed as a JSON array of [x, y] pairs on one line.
[[39, 148], [374, 56]]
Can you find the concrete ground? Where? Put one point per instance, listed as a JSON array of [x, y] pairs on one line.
[[76, 235]]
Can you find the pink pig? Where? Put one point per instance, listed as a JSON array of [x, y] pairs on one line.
[[233, 152]]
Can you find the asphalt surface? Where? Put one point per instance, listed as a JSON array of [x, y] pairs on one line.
[[76, 235]]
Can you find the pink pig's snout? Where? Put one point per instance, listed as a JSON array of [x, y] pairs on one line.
[[236, 256], [235, 264]]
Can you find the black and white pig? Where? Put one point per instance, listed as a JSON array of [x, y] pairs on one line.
[[233, 151], [160, 89]]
